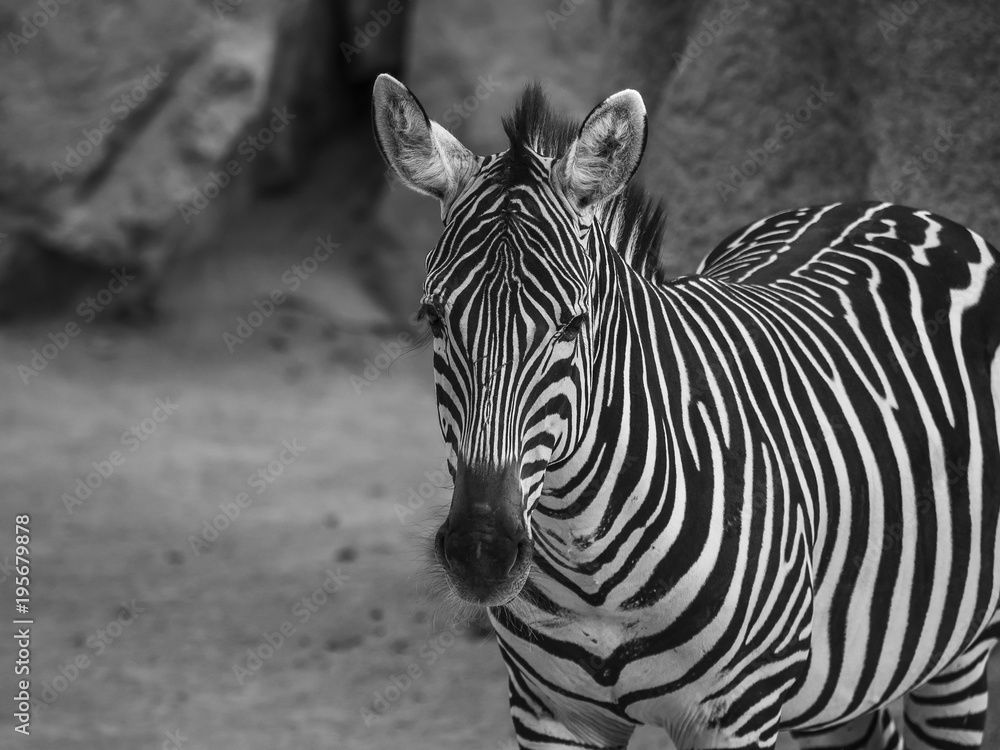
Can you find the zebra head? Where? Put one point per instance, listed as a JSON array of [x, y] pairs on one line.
[[510, 297]]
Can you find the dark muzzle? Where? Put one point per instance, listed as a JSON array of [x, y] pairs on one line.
[[483, 545]]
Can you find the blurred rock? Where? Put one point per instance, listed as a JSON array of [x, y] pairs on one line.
[[130, 131], [771, 104], [928, 76], [301, 82], [113, 118], [646, 36], [328, 56]]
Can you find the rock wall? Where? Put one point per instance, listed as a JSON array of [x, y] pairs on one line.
[[119, 123], [762, 105], [111, 117], [132, 131]]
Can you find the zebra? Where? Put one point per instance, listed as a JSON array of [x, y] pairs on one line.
[[755, 499]]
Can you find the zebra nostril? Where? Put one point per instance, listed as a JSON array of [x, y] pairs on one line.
[[524, 548], [454, 553], [521, 549], [511, 564]]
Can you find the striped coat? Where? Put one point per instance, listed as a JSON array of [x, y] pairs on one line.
[[762, 497]]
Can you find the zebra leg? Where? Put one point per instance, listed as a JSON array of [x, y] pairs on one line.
[[537, 727], [949, 711], [874, 731]]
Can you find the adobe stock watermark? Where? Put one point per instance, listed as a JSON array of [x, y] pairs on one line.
[[59, 340], [381, 362], [784, 130], [131, 440], [98, 642], [705, 37], [911, 346], [956, 471], [390, 351], [416, 498], [916, 164], [565, 10], [121, 108], [259, 481], [175, 740], [249, 148], [32, 21], [292, 278], [461, 111], [301, 612], [701, 378], [223, 7], [6, 569], [429, 653], [900, 14], [363, 35]]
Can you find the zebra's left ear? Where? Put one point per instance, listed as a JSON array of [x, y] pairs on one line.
[[606, 152]]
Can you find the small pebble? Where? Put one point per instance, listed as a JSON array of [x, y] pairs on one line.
[[175, 557], [343, 643], [400, 646]]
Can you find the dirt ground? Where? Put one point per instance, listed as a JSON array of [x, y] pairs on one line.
[[200, 597], [302, 621]]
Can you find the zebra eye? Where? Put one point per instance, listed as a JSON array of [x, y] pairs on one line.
[[572, 329], [433, 318]]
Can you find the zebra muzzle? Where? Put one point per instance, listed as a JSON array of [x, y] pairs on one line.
[[483, 545]]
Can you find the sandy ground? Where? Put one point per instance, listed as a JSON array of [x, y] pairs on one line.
[[325, 516], [303, 623]]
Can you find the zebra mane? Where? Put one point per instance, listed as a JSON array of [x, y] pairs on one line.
[[634, 220]]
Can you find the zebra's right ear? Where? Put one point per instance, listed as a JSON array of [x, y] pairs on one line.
[[600, 162], [425, 156]]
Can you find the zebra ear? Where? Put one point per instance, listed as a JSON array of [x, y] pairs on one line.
[[606, 152], [425, 156]]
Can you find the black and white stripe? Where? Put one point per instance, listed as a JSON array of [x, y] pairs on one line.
[[761, 498]]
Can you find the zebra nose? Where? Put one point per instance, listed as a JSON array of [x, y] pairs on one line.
[[479, 556]]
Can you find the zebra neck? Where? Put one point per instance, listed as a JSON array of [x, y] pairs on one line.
[[621, 476]]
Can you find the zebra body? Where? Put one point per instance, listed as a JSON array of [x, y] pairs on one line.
[[763, 497], [821, 574]]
